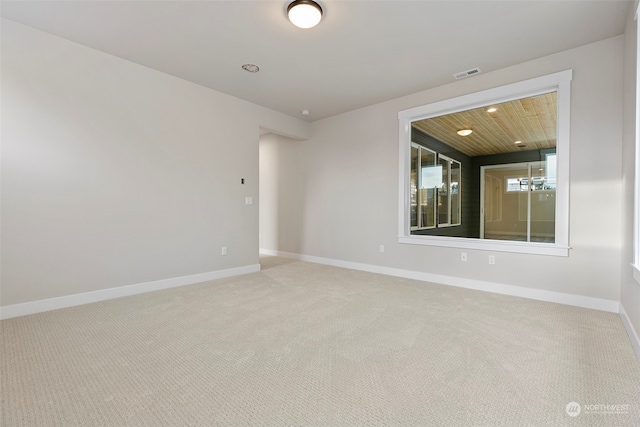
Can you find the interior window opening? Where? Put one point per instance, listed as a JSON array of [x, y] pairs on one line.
[[494, 172]]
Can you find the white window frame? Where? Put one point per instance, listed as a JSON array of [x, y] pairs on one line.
[[419, 182], [449, 160], [560, 82], [636, 204]]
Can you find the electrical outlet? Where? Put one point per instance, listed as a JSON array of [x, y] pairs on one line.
[[463, 256], [224, 250], [248, 200], [381, 248], [492, 259]]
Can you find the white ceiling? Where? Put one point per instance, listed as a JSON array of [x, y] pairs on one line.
[[363, 51]]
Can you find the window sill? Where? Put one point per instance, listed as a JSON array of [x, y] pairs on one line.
[[492, 245]]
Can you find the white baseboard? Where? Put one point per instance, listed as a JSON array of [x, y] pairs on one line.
[[536, 294], [633, 335], [39, 306]]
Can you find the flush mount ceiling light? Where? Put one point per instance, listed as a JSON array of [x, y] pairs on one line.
[[304, 13], [464, 132]]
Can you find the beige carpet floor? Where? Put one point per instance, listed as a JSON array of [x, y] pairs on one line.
[[302, 344]]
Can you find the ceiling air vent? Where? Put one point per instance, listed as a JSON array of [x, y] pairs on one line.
[[467, 73]]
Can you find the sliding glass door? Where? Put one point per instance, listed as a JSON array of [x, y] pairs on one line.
[[518, 201]]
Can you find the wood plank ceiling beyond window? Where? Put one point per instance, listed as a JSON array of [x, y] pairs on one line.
[[533, 121]]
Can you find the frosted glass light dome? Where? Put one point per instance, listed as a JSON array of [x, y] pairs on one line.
[[304, 13]]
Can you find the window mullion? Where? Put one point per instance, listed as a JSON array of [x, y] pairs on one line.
[[529, 184]]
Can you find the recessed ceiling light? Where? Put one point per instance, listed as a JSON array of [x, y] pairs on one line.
[[304, 13], [492, 110], [465, 132], [305, 112], [518, 142], [252, 68]]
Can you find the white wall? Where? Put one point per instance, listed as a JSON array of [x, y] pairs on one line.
[[630, 290], [352, 184], [282, 193], [114, 174]]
